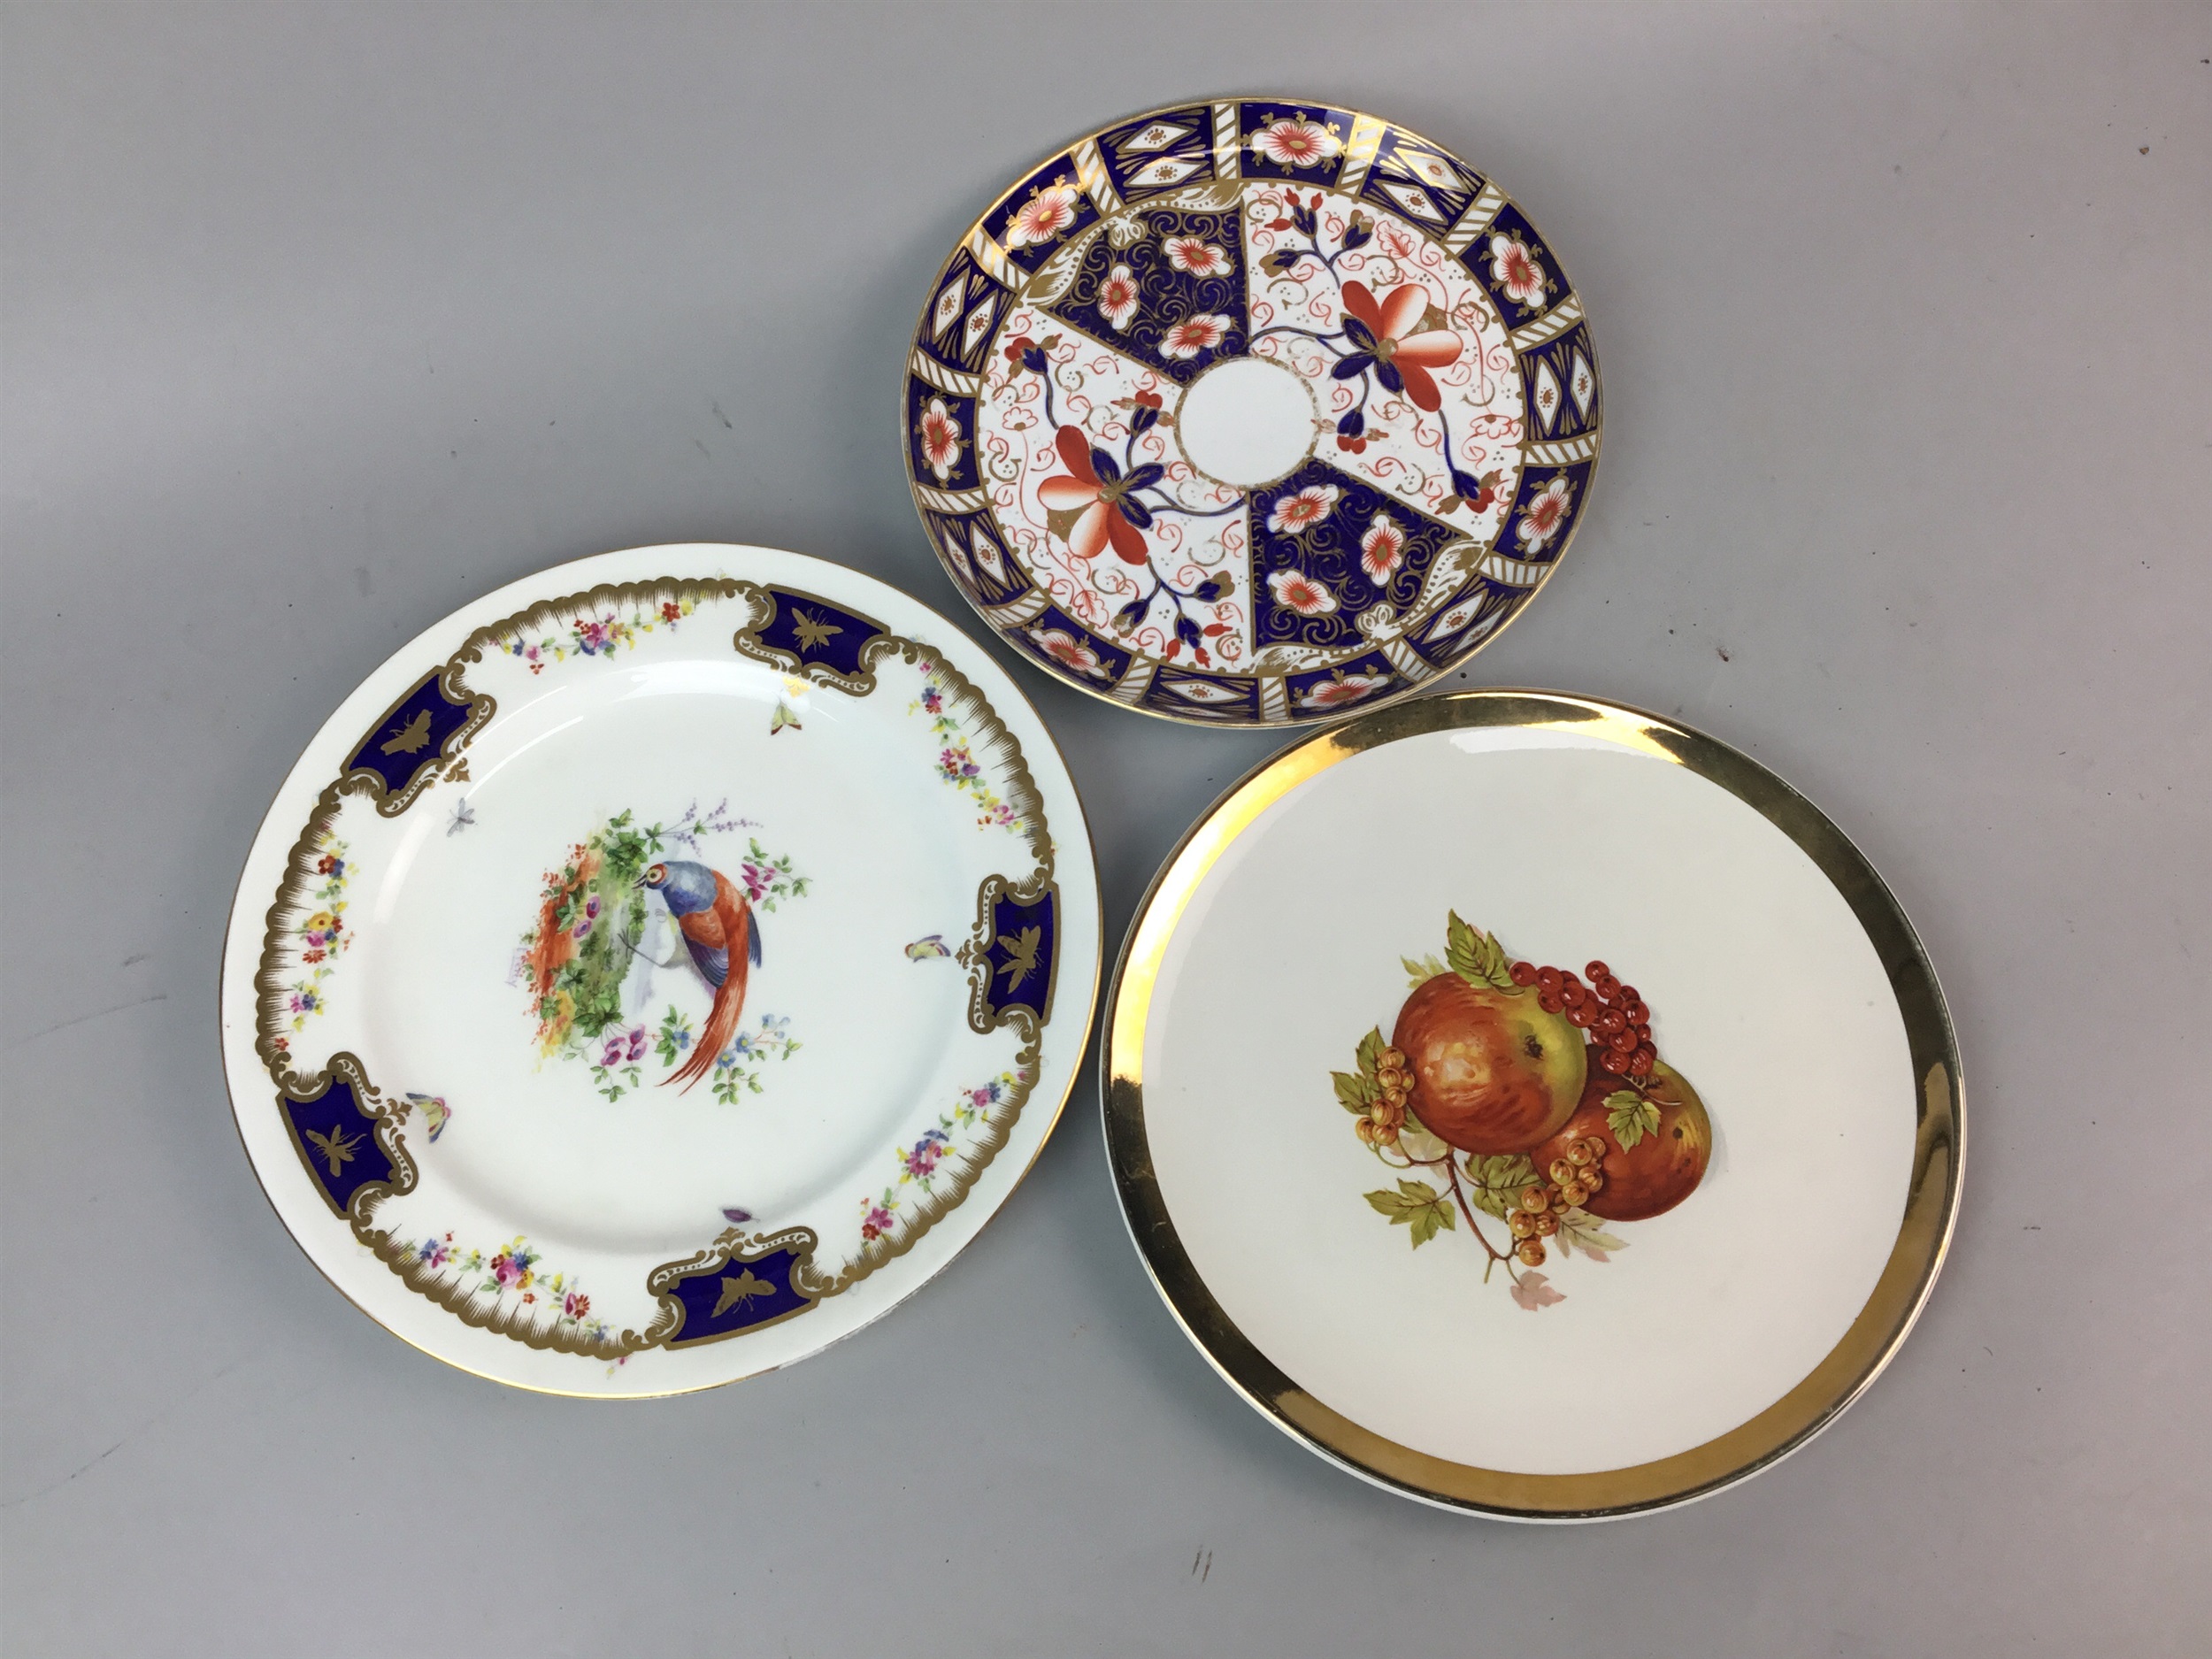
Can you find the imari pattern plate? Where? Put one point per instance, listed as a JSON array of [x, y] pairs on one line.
[[1599, 1167], [659, 969], [1251, 412]]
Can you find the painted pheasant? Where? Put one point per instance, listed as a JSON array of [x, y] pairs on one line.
[[716, 920]]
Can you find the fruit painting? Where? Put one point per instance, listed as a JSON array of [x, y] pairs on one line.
[[1534, 1096]]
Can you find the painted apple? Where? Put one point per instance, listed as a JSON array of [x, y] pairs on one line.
[[1492, 1071], [1665, 1164]]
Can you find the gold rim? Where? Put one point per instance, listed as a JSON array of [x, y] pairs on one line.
[[1173, 716], [1052, 1121], [1922, 1237]]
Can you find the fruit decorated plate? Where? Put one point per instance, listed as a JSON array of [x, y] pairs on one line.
[[1251, 412], [659, 969], [1586, 1156]]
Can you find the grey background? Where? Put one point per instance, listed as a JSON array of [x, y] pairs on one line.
[[319, 323]]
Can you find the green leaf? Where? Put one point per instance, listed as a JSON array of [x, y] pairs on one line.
[[1580, 1230], [1475, 956], [1631, 1117], [1420, 972], [1419, 1208], [1371, 1047], [1497, 1181], [1356, 1095]]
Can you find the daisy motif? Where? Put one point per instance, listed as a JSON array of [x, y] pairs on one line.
[[1193, 334], [1070, 652], [1382, 550], [1295, 141], [1514, 268], [1296, 591], [1193, 255], [1117, 299], [1335, 693], [1293, 515], [941, 438], [1044, 216], [1545, 514]]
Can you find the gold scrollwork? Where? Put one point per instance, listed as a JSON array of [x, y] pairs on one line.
[[734, 1247], [390, 802]]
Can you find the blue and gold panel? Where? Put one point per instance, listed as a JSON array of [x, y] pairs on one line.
[[1041, 212], [1363, 680], [960, 320], [805, 635], [1068, 646], [1159, 151], [1419, 182], [1014, 953], [1510, 260], [1546, 510], [941, 437], [1173, 296], [1233, 699], [1325, 547], [336, 1135], [414, 735], [736, 1286], [1561, 380], [1303, 142], [976, 559]]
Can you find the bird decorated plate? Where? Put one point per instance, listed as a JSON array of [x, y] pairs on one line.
[[1251, 412], [659, 969], [1590, 1159]]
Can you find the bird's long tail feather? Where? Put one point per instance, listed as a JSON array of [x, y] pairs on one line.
[[729, 1004]]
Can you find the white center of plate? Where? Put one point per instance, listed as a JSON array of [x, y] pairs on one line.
[[1246, 422]]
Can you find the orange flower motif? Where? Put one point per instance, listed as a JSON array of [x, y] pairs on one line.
[[1095, 489], [1382, 340]]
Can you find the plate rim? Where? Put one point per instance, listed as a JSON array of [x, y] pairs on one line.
[[1290, 723], [424, 638], [1842, 1376]]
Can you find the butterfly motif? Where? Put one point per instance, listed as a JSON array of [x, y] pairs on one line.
[[1021, 956], [741, 1291], [410, 741], [337, 1148], [923, 950]]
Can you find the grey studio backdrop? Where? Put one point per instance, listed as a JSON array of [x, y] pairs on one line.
[[321, 322]]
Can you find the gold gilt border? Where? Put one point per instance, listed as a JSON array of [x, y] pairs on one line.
[[1874, 1336], [989, 733]]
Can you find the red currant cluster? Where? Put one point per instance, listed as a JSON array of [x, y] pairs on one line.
[[1574, 1177], [1611, 1012]]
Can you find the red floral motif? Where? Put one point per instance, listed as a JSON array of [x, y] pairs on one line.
[[1116, 298], [1195, 256], [1043, 217], [1335, 693], [1193, 334], [1515, 269], [1295, 514], [941, 438], [1070, 652], [1295, 141], [1546, 513], [1383, 337], [1095, 489], [1382, 550], [1294, 590]]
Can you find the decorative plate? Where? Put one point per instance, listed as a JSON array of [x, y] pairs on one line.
[[1251, 412], [659, 969], [1613, 1147]]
